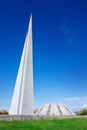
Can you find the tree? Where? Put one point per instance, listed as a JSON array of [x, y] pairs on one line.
[[83, 112], [4, 112]]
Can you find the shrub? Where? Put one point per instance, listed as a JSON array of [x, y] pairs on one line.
[[35, 111], [83, 112], [4, 112]]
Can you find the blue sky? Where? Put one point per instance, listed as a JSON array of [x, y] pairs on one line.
[[59, 49]]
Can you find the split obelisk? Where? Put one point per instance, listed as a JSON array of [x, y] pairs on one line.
[[22, 101]]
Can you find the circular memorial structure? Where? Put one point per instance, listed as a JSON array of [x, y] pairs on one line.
[[55, 109]]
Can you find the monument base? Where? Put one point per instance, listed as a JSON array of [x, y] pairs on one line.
[[30, 117]]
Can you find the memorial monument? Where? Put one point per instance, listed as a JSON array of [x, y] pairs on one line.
[[22, 101]]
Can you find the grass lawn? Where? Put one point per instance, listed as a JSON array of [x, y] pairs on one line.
[[55, 124]]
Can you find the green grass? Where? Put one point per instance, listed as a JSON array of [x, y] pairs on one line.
[[57, 124]]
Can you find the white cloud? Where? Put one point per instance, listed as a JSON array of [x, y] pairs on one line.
[[76, 99], [84, 106], [67, 32], [76, 103]]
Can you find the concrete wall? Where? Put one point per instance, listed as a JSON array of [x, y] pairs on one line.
[[29, 117]]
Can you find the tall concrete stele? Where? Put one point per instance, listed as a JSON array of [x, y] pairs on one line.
[[22, 101]]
